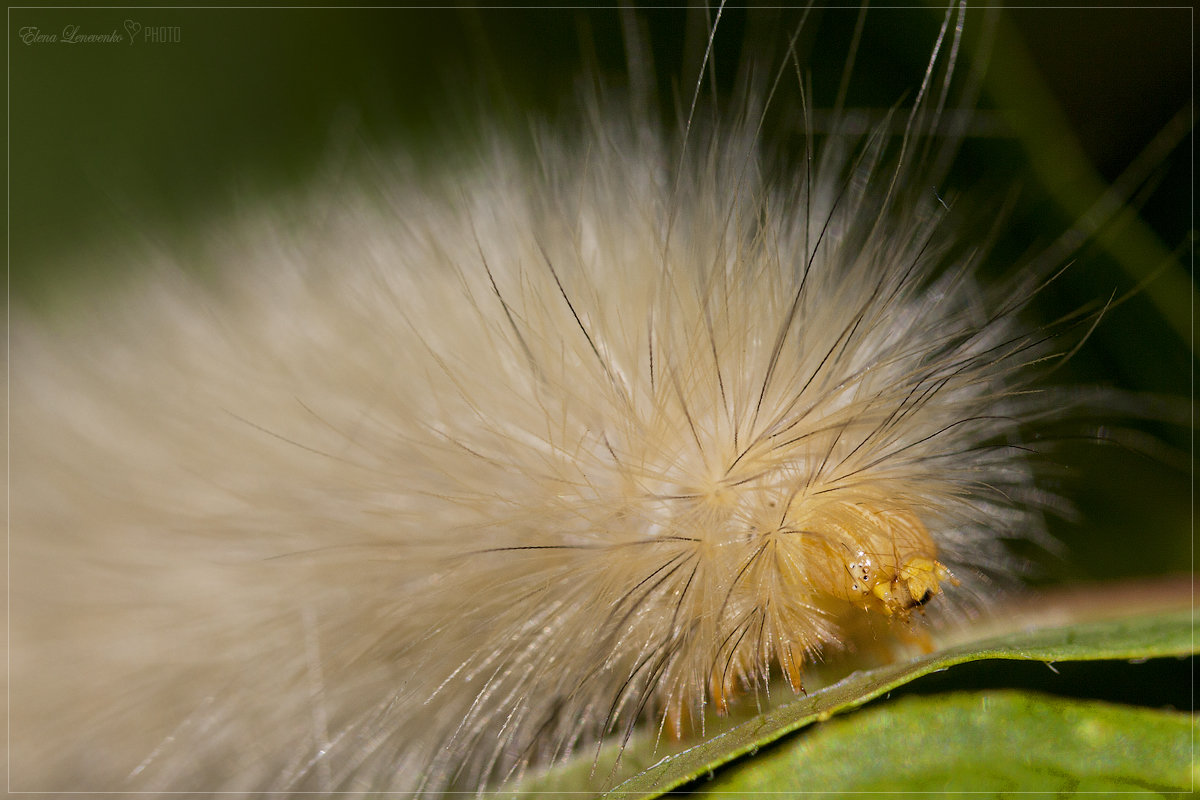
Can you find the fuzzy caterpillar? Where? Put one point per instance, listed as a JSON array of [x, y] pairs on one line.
[[487, 466]]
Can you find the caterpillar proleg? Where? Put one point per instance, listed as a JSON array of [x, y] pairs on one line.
[[435, 473]]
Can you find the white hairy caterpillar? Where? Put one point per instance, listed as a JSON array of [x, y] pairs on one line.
[[489, 465]]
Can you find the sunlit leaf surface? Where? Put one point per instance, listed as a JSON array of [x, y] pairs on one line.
[[658, 767]]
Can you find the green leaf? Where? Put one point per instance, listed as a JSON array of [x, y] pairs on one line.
[[660, 766], [988, 742]]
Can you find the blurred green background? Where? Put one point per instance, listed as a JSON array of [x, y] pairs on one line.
[[113, 143]]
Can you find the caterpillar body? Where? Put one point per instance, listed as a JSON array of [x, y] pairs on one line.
[[422, 484]]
